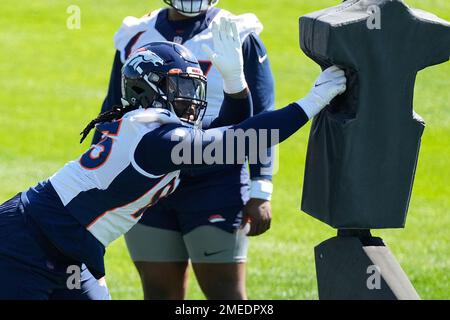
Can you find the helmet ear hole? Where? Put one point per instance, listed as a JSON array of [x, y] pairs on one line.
[[137, 94], [138, 90]]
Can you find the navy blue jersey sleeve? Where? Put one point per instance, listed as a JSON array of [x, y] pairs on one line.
[[233, 111], [261, 83], [174, 147], [114, 95]]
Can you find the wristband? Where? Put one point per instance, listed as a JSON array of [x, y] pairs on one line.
[[261, 189]]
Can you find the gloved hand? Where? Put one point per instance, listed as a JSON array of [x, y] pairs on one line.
[[227, 55], [330, 83]]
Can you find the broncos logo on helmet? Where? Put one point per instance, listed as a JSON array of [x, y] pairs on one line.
[[145, 56]]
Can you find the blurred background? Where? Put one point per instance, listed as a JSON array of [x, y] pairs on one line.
[[53, 80]]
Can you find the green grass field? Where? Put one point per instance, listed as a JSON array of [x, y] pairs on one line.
[[53, 80]]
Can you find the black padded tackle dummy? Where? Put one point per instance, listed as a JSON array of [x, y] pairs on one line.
[[363, 148]]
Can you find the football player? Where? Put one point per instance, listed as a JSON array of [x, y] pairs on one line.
[[70, 218], [205, 230]]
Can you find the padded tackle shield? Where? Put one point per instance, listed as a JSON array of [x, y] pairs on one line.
[[363, 148]]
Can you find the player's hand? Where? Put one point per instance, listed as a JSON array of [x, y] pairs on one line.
[[227, 55], [258, 213], [329, 84]]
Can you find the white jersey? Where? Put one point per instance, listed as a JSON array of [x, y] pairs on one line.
[[142, 31], [105, 189]]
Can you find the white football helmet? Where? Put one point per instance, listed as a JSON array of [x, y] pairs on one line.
[[191, 8]]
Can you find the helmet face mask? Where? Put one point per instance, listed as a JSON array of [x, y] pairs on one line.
[[165, 75], [191, 8], [187, 95]]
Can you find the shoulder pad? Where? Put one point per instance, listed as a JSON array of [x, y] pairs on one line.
[[130, 27], [247, 23], [152, 115]]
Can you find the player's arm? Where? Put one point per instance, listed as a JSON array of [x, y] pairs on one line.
[[260, 80], [174, 147], [235, 108], [114, 95], [227, 58], [257, 75], [261, 84]]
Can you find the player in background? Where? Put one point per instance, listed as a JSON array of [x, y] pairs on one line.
[[205, 229], [70, 218]]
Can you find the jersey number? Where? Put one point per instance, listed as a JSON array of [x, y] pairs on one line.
[[98, 154], [161, 193]]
